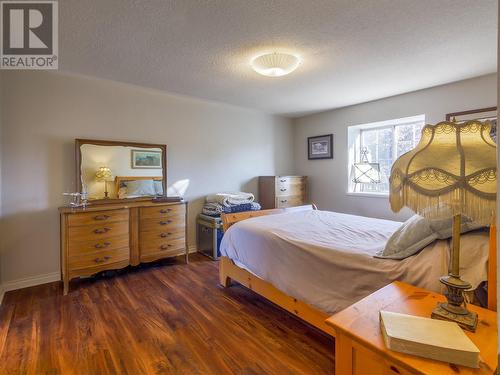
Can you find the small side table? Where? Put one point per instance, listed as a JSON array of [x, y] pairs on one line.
[[360, 348]]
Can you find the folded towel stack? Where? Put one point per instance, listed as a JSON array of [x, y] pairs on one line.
[[218, 204], [230, 199]]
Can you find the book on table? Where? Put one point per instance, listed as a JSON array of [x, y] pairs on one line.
[[429, 338]]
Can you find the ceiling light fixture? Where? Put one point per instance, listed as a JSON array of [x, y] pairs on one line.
[[275, 64]]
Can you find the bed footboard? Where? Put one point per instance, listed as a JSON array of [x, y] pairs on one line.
[[229, 271]]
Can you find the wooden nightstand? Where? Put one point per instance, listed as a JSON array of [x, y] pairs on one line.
[[360, 349]]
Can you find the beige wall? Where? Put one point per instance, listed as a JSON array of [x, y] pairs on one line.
[[328, 178], [216, 147]]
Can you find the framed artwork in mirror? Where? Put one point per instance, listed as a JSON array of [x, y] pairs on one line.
[[144, 159], [320, 147]]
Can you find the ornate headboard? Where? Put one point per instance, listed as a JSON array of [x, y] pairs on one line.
[[120, 179]]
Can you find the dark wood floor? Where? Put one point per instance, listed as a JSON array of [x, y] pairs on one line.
[[163, 319]]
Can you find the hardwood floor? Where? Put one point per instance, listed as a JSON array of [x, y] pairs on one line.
[[170, 318]]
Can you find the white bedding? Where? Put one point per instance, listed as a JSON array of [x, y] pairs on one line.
[[326, 259]]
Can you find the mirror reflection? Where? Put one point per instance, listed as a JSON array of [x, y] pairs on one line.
[[111, 172]]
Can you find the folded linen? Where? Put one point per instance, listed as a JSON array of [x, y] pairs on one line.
[[212, 209], [230, 198], [216, 209]]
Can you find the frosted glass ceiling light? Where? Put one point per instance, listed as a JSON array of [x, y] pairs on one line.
[[275, 64]]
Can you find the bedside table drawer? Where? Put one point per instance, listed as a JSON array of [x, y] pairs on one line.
[[365, 362]]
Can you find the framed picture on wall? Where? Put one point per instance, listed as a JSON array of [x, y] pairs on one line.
[[481, 114], [146, 159], [320, 147]]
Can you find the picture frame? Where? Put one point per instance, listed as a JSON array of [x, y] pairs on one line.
[[481, 114], [320, 147], [141, 159]]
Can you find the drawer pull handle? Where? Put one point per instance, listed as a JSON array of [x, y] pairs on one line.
[[101, 217], [395, 369], [282, 189], [163, 235], [102, 245], [165, 222], [283, 180], [284, 201], [164, 247], [102, 260], [102, 230], [165, 210]]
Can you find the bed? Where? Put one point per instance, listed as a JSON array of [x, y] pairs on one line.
[[314, 263]]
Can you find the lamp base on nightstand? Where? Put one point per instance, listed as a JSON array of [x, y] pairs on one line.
[[465, 318]]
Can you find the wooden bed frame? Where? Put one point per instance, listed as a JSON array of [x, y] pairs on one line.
[[229, 271]]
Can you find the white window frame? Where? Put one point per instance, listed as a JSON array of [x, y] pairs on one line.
[[354, 147]]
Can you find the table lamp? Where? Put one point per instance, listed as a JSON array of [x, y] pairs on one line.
[[104, 174], [452, 171]]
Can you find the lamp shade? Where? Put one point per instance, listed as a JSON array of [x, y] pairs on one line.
[[103, 174], [453, 165]]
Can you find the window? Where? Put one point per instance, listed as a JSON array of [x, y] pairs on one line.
[[380, 143]]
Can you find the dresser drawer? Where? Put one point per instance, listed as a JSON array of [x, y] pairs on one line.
[[98, 244], [166, 234], [97, 258], [97, 217], [289, 180], [98, 232], [164, 224], [158, 212], [290, 189], [162, 246], [289, 201]]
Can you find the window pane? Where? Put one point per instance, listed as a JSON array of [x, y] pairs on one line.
[[385, 144], [369, 140], [385, 141]]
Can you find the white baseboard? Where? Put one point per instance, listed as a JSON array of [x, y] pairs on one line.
[[31, 281]]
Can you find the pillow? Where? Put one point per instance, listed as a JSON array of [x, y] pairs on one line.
[[140, 188], [418, 232], [158, 186]]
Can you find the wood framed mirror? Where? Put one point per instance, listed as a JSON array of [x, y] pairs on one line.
[[112, 170]]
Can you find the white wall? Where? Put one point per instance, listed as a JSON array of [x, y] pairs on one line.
[[217, 147], [328, 178]]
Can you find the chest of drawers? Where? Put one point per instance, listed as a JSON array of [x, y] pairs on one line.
[[282, 191], [113, 236]]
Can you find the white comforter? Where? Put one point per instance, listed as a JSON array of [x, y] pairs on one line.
[[326, 258]]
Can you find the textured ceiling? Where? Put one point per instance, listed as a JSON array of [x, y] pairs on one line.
[[353, 50]]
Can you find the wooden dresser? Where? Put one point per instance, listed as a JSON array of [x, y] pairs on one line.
[[282, 191], [112, 236]]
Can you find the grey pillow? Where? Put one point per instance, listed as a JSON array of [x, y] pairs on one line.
[[140, 188], [418, 232]]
